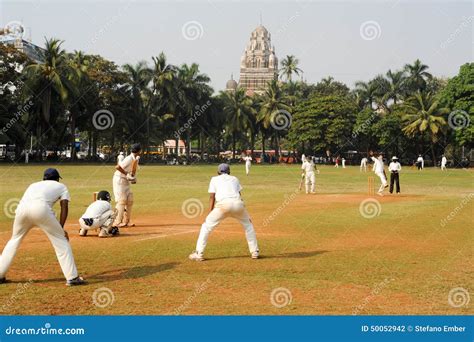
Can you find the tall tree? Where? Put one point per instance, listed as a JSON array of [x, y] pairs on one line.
[[43, 80], [289, 66], [418, 76], [424, 116]]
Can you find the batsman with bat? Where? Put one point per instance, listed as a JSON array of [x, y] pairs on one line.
[[125, 174]]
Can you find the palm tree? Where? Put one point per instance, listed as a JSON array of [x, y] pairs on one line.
[[424, 115], [273, 105], [417, 75], [193, 90], [289, 66], [43, 80], [165, 87], [240, 114], [138, 78], [367, 92]]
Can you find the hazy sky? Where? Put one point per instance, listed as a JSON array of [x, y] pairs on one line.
[[349, 40]]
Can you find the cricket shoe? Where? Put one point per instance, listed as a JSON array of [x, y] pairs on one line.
[[82, 232], [380, 194], [255, 255], [103, 233], [196, 256], [76, 281]]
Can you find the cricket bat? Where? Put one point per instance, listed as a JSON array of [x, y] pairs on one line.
[[135, 166]]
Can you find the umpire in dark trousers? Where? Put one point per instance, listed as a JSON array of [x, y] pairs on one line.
[[395, 169]]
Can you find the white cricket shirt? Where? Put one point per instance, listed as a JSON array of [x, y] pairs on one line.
[[47, 191], [225, 187], [378, 165], [307, 166], [96, 209], [126, 165]]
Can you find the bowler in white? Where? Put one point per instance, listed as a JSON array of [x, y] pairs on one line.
[[225, 201]]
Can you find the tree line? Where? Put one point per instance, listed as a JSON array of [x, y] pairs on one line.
[[72, 96]]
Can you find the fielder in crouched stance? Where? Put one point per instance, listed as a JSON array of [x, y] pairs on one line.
[[99, 216], [36, 209], [225, 201], [124, 175]]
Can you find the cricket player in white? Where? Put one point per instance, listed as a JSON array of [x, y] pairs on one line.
[[225, 201], [100, 216], [248, 163], [36, 209], [123, 176], [343, 163], [380, 172], [444, 161], [363, 164], [308, 168], [420, 162]]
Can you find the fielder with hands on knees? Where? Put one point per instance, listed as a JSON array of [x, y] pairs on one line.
[[225, 201], [36, 209], [125, 175]]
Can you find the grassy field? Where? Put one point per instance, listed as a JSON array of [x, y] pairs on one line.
[[322, 254]]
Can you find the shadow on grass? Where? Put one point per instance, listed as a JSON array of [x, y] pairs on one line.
[[117, 274]]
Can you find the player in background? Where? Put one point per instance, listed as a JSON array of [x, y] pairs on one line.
[[337, 163], [248, 163], [225, 201], [363, 164], [36, 210], [343, 163], [120, 158], [444, 161], [420, 163], [123, 177], [309, 168], [99, 216], [395, 167], [380, 172]]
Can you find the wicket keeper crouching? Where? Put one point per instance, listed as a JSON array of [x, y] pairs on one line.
[[99, 215], [124, 175]]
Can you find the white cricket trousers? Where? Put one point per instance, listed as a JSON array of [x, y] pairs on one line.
[[310, 180], [104, 221], [247, 168], [383, 180], [229, 208], [38, 213]]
